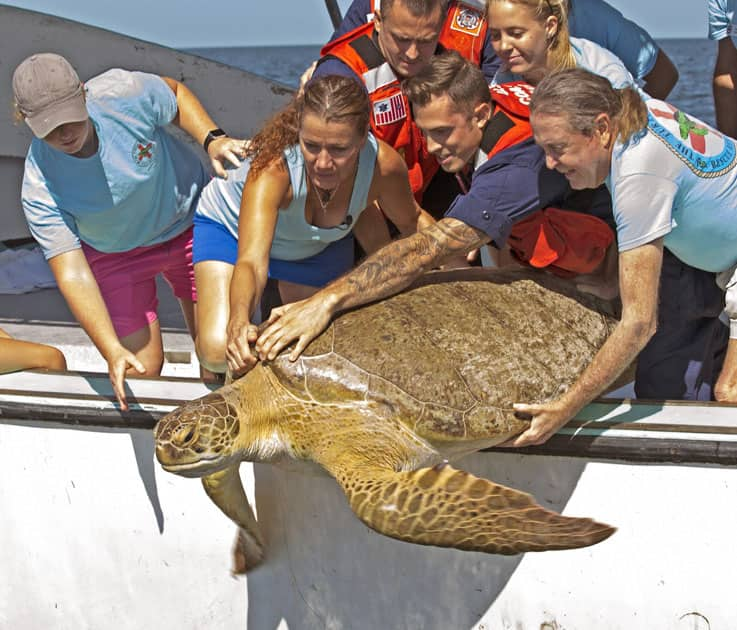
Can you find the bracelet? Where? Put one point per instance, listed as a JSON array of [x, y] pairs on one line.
[[211, 135]]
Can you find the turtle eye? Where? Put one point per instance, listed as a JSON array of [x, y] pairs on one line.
[[185, 436]]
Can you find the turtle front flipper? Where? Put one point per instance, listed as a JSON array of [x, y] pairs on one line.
[[447, 507], [225, 488]]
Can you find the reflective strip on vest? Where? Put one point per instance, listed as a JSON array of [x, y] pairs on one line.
[[377, 78]]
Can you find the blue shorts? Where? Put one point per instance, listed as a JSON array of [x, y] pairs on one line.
[[212, 241]]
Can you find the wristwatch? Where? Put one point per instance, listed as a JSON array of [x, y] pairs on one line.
[[211, 135]]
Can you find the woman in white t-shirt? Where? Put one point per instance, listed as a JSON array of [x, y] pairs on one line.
[[673, 182]]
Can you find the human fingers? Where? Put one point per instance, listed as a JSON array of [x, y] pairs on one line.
[[132, 360], [218, 167], [237, 345], [521, 412], [117, 380], [274, 315], [239, 357], [280, 311], [303, 342], [307, 75], [233, 156], [268, 338], [117, 369], [270, 328]]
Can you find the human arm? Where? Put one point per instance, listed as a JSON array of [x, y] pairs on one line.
[[390, 188], [381, 275], [639, 274], [659, 82], [262, 197], [79, 288], [725, 389], [724, 86], [194, 119], [16, 354]]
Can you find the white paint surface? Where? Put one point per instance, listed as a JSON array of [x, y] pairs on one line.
[[95, 535]]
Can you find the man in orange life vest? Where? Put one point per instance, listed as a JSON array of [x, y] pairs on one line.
[[403, 36], [511, 197]]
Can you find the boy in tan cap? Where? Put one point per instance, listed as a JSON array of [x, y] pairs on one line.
[[109, 194]]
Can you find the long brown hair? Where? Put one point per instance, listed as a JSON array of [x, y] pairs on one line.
[[333, 98], [580, 96], [560, 53]]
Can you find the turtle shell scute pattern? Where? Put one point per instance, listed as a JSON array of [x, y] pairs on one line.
[[449, 358]]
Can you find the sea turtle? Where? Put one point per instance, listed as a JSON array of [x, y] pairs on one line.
[[390, 392]]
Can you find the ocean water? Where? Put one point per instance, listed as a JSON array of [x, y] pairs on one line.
[[694, 59]]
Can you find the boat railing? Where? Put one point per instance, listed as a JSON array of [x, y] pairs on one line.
[[615, 429]]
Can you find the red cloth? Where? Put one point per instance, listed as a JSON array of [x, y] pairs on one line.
[[567, 242]]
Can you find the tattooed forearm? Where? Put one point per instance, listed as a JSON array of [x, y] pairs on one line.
[[455, 237], [397, 265]]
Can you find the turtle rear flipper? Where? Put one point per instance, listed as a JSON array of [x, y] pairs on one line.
[[447, 507], [225, 488]]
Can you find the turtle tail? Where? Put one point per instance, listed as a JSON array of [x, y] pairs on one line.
[[447, 507]]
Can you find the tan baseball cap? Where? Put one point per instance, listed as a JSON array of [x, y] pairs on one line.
[[48, 93]]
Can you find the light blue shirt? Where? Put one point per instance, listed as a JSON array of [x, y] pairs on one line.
[[139, 189], [591, 57], [294, 238], [600, 22], [721, 19], [678, 181]]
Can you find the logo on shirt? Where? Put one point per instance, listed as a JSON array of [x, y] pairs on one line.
[[705, 151], [389, 110], [466, 20], [143, 154], [519, 89]]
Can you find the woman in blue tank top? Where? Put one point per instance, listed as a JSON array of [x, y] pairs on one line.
[[289, 211]]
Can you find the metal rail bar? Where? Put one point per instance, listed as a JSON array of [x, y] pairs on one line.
[[334, 12]]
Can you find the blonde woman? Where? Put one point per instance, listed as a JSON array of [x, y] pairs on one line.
[[531, 39]]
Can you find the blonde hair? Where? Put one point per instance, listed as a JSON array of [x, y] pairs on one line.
[[333, 98], [580, 96], [560, 53]]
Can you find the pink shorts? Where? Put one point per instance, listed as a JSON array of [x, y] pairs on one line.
[[127, 280]]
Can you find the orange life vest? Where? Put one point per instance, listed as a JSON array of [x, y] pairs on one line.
[[564, 241], [464, 30]]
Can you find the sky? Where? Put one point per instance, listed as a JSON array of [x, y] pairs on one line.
[[193, 23]]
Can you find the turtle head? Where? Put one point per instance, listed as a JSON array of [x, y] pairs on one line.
[[198, 438]]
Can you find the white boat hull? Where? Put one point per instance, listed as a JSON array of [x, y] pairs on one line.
[[96, 535]]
